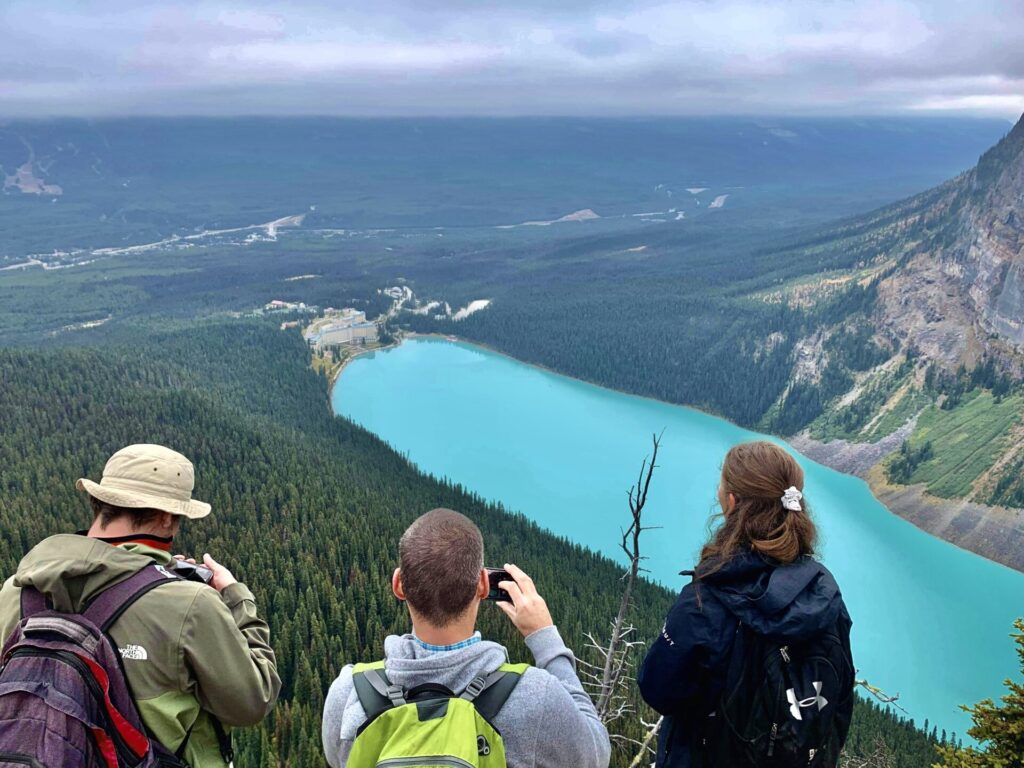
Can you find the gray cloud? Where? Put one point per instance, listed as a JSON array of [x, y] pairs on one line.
[[511, 57]]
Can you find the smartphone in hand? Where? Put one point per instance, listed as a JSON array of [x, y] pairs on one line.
[[494, 577], [192, 571]]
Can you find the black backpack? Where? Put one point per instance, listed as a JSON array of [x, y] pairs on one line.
[[785, 704]]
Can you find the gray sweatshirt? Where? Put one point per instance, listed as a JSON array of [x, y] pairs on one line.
[[549, 721]]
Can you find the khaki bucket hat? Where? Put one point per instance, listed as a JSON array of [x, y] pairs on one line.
[[148, 476]]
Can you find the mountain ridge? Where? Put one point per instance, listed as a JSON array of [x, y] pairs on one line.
[[947, 313], [975, 258]]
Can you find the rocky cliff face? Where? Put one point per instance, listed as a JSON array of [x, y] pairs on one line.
[[950, 295], [960, 293]]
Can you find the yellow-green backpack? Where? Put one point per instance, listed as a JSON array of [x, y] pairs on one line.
[[430, 726]]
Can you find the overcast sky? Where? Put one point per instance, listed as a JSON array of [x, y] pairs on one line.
[[512, 57]]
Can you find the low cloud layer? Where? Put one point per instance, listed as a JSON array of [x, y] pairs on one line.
[[512, 57]]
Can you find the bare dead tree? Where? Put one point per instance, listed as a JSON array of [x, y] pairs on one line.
[[880, 757], [610, 679]]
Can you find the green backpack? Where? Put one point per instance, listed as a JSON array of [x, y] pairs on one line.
[[430, 726]]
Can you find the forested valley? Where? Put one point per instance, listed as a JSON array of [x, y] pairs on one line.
[[307, 507]]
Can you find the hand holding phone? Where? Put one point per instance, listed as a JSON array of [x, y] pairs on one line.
[[494, 577], [188, 568], [527, 608]]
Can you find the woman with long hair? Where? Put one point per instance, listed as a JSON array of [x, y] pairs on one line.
[[753, 665]]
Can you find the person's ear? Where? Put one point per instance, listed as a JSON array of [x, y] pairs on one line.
[[396, 584], [732, 501], [167, 521], [483, 586]]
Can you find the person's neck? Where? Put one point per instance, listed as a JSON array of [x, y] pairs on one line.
[[450, 635], [123, 531]]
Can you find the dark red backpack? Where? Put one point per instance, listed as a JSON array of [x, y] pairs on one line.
[[64, 699]]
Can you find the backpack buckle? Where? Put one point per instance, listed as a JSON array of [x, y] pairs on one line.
[[475, 688], [397, 695]]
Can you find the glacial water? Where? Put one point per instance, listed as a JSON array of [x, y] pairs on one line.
[[931, 621]]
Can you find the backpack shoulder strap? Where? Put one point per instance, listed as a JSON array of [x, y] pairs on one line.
[[375, 692], [489, 694], [108, 606]]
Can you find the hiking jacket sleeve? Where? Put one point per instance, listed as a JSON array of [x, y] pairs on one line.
[[672, 670], [570, 731], [228, 658]]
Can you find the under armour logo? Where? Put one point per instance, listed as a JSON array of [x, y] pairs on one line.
[[796, 705]]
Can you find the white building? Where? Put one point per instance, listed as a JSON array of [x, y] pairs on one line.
[[345, 326]]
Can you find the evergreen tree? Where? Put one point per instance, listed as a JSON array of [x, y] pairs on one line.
[[998, 728]]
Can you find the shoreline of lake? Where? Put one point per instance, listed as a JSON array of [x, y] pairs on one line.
[[934, 516]]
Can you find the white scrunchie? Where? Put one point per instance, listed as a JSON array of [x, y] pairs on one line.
[[791, 499]]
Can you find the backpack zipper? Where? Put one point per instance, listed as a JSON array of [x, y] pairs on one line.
[[412, 762], [125, 754], [784, 652]]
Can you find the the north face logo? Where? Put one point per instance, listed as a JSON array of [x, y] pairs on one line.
[[134, 653], [796, 705]]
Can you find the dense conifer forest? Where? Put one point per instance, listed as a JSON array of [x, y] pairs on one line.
[[308, 508]]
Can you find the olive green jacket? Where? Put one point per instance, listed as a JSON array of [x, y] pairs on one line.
[[188, 650]]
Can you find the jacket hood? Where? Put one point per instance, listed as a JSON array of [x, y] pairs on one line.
[[794, 600], [408, 663], [71, 569]]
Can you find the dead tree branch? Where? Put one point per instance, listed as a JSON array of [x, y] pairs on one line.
[[608, 679], [645, 746], [879, 694], [881, 757]]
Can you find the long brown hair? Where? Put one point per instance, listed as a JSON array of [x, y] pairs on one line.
[[757, 474]]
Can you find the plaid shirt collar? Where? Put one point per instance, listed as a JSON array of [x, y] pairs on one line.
[[471, 640]]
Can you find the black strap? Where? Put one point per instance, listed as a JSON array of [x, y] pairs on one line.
[[179, 753], [479, 684], [227, 751], [495, 693], [395, 694], [373, 701], [223, 741]]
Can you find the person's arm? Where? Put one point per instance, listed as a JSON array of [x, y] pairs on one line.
[[567, 709], [669, 674], [227, 648], [570, 731], [336, 749]]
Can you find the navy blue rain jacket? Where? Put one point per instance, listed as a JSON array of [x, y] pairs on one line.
[[683, 674]]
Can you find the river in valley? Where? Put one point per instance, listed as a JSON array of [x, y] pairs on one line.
[[931, 621]]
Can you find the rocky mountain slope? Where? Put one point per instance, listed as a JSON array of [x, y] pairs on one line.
[[960, 295], [933, 415]]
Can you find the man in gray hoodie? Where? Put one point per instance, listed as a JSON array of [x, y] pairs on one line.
[[548, 721]]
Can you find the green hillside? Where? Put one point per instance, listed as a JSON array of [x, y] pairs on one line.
[[307, 507], [972, 436]]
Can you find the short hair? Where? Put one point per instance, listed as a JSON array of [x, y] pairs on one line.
[[441, 555], [108, 513]]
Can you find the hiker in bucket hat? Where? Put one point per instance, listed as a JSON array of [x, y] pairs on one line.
[[196, 656]]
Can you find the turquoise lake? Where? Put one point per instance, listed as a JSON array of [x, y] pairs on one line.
[[931, 621]]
